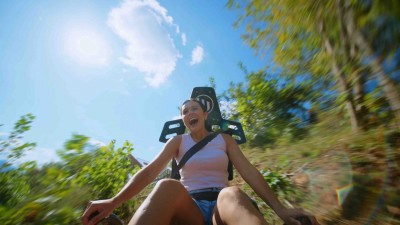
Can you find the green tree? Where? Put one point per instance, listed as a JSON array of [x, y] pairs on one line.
[[375, 32], [329, 44], [103, 170], [57, 193], [13, 146], [267, 106]]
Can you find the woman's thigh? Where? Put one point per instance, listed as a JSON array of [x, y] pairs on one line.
[[168, 203], [235, 207], [188, 213]]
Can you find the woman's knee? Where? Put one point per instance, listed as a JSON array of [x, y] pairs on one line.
[[169, 188], [234, 206], [230, 193], [168, 184]]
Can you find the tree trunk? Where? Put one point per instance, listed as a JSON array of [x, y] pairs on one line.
[[350, 54], [388, 85], [359, 98], [343, 84]]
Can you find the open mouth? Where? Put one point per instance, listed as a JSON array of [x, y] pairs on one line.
[[193, 121]]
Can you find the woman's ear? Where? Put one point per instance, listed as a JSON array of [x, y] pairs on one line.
[[205, 115]]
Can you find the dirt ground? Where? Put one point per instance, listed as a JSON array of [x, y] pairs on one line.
[[339, 193]]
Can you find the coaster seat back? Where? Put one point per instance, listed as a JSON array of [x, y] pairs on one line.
[[207, 96]]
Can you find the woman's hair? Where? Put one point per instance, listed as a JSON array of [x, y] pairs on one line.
[[203, 107]]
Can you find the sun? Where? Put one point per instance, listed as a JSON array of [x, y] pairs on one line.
[[87, 46]]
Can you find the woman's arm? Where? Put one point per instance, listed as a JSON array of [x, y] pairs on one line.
[[251, 175], [254, 178], [136, 184], [147, 174]]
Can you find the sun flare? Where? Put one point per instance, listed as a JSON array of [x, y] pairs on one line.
[[87, 47]]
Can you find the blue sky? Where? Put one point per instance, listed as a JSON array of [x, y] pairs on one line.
[[111, 69]]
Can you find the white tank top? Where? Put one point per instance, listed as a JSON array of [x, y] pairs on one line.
[[207, 168]]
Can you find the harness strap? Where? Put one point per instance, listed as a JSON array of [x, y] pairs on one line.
[[193, 150]]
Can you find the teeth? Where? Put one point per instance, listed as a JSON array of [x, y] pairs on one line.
[[193, 121]]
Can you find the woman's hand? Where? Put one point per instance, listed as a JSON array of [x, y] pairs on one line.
[[289, 217], [97, 210]]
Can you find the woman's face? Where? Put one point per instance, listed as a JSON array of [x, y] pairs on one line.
[[193, 115]]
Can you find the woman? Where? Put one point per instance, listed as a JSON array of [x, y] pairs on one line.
[[202, 196]]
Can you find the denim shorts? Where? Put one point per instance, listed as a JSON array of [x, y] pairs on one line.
[[206, 207]]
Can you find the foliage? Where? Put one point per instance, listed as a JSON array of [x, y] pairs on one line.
[[57, 193], [276, 181], [108, 173], [14, 187], [339, 47], [339, 58], [266, 106], [13, 146]]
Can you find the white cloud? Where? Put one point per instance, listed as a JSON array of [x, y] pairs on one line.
[[96, 143], [146, 28], [184, 40], [40, 155], [197, 55]]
